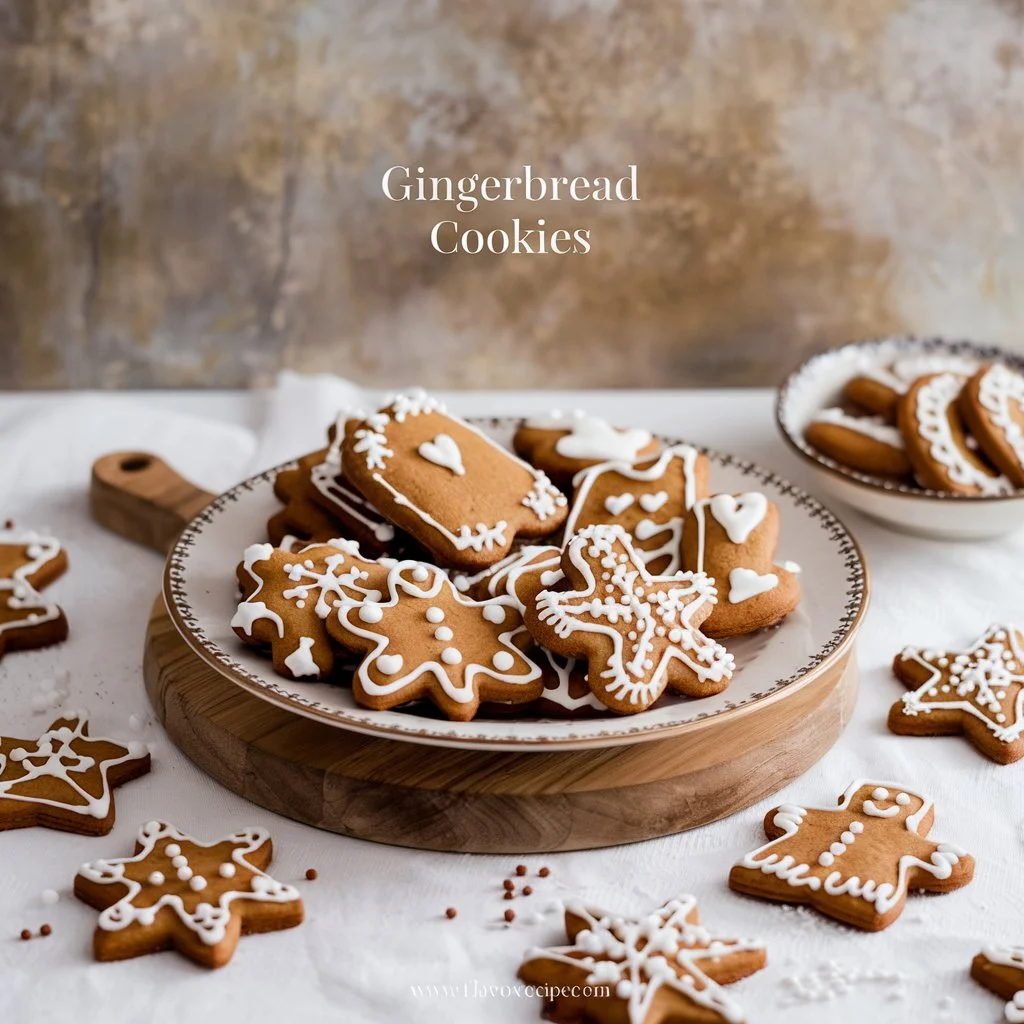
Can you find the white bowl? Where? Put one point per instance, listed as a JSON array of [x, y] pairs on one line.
[[818, 383]]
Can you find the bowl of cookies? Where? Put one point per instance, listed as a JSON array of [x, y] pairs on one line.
[[923, 435]]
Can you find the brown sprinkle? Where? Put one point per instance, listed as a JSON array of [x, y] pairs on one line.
[[25, 935], [311, 874], [509, 884], [527, 890], [509, 894], [45, 930], [510, 915], [520, 869], [9, 524], [450, 913], [544, 872]]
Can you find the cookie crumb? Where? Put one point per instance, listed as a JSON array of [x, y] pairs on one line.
[[311, 874], [45, 930], [520, 870], [544, 872], [509, 894], [25, 933], [450, 913], [49, 897], [508, 884], [8, 524], [527, 890], [510, 915]]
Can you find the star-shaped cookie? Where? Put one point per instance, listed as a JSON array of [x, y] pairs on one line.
[[64, 779], [663, 968], [639, 633], [855, 862], [979, 692], [176, 892], [425, 639], [28, 562], [1000, 969]]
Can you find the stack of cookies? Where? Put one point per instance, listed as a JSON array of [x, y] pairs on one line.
[[589, 572], [944, 423]]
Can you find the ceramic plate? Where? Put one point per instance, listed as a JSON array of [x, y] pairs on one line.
[[201, 595]]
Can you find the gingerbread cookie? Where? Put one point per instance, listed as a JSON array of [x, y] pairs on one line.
[[288, 598], [65, 778], [29, 561], [732, 538], [425, 639], [638, 633], [855, 862], [978, 692], [992, 405], [662, 968], [176, 892], [1000, 969], [878, 389], [301, 517], [649, 500], [454, 489], [937, 445], [561, 445], [865, 443]]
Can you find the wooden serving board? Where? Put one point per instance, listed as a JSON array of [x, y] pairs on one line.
[[436, 798]]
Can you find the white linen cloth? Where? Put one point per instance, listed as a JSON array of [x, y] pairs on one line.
[[375, 924]]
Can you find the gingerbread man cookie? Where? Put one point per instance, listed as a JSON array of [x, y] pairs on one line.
[[992, 405], [649, 500], [288, 598], [865, 443], [637, 632], [425, 639], [176, 892], [65, 778], [732, 538], [29, 561], [1000, 969], [662, 968], [855, 862], [933, 431], [454, 489], [979, 692], [561, 445]]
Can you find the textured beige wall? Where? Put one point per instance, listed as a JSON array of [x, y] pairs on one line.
[[189, 192]]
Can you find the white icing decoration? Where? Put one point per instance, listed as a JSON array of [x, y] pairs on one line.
[[618, 503], [451, 656], [389, 664], [650, 503], [435, 614], [637, 958], [494, 613], [934, 399], [651, 601], [772, 858], [443, 452], [53, 756], [502, 661], [791, 567], [39, 550], [983, 682], [867, 426], [226, 870], [156, 878], [370, 612], [746, 583], [997, 389], [207, 921], [589, 437], [1012, 957], [443, 633], [739, 516], [300, 662]]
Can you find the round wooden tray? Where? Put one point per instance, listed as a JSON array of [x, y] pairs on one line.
[[447, 799]]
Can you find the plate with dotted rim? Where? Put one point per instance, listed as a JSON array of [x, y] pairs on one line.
[[201, 594]]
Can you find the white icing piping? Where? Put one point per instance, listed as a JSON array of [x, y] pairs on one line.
[[40, 550], [997, 388]]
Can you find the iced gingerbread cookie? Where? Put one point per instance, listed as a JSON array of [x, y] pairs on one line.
[[459, 493], [65, 778], [662, 968], [178, 893], [732, 538], [639, 633], [978, 692], [865, 443], [424, 639], [1000, 969], [855, 862], [301, 516], [29, 561], [648, 500], [992, 405], [289, 597], [561, 445], [878, 389], [933, 431]]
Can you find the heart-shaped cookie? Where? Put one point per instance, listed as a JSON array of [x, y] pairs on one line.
[[443, 451]]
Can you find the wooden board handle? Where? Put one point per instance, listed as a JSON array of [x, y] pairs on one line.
[[140, 497]]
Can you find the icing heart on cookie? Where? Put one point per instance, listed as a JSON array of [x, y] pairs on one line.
[[618, 503], [652, 502], [444, 452], [740, 514], [745, 584]]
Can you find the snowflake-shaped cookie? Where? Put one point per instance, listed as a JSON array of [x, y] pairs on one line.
[[1001, 970], [661, 968], [425, 639], [64, 779], [979, 692], [855, 862], [639, 633], [290, 596], [28, 561], [176, 892]]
